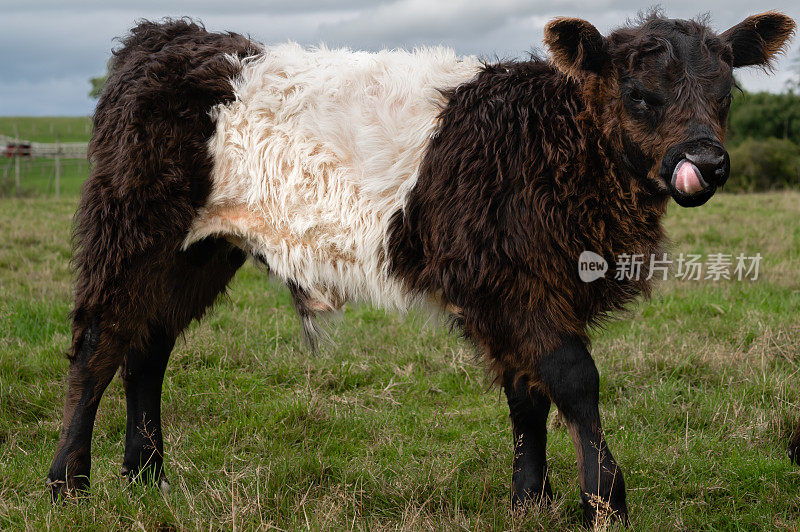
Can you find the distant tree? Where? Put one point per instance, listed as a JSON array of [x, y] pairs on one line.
[[763, 115], [97, 86], [767, 164], [98, 83]]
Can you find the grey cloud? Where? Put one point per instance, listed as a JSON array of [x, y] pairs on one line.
[[52, 47], [397, 22], [48, 97], [240, 7], [404, 20]]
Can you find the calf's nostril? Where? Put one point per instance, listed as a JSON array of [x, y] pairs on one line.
[[712, 167], [705, 160]]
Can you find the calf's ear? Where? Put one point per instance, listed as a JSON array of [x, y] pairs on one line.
[[758, 39], [576, 47]]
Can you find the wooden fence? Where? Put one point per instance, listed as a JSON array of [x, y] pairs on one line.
[[42, 177], [40, 157]]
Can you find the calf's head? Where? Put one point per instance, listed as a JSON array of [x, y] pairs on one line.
[[661, 90]]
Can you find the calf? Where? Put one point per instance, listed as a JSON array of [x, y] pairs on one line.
[[394, 178]]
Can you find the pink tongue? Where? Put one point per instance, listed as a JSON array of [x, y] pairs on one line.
[[687, 180]]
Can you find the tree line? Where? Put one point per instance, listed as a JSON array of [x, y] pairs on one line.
[[764, 140]]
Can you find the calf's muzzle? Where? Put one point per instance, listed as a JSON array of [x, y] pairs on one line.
[[692, 170]]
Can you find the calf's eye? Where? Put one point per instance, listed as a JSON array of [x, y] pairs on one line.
[[637, 99]]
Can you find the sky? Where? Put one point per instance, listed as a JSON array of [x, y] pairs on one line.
[[50, 48]]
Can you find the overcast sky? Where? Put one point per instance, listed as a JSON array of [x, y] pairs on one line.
[[50, 48]]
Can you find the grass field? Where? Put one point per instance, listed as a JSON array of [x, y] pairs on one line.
[[395, 425], [47, 128], [37, 177]]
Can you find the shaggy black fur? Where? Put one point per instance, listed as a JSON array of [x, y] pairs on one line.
[[135, 289], [534, 163]]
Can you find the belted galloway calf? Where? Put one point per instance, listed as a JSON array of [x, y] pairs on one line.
[[394, 178]]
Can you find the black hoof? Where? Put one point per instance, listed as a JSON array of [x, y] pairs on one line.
[[62, 490], [147, 476], [539, 493], [599, 512]]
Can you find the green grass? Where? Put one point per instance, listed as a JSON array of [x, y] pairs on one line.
[[395, 425], [47, 128], [37, 177]]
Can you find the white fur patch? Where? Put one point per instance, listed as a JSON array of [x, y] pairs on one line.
[[316, 153]]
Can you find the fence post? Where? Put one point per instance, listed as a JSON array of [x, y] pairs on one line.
[[16, 159], [58, 167]]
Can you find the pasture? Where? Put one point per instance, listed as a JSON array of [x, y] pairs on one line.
[[47, 128], [395, 423], [37, 177]]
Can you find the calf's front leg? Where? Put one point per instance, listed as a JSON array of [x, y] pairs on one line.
[[90, 371], [143, 376], [528, 410], [570, 378]]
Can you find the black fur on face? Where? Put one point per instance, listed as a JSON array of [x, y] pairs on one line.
[[663, 87], [675, 80]]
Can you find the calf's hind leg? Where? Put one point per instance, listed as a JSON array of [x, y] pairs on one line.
[[140, 334], [91, 369], [191, 284], [570, 378], [143, 376], [528, 409]]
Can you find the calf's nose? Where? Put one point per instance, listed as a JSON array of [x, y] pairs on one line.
[[713, 163]]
